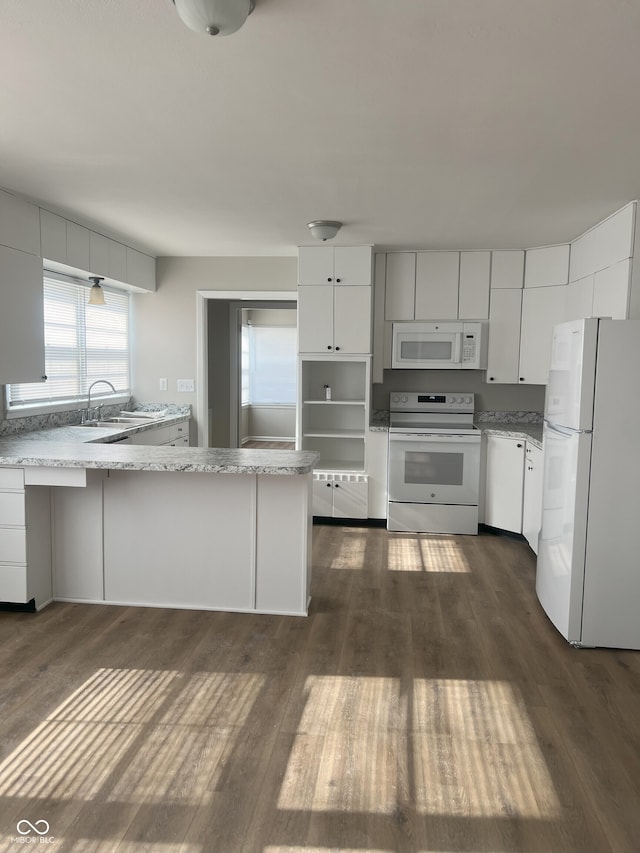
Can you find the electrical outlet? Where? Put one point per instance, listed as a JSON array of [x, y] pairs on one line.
[[185, 385], [164, 385]]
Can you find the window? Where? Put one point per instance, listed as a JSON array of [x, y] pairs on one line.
[[269, 365], [82, 343]]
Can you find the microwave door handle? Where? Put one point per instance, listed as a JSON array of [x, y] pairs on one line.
[[458, 348]]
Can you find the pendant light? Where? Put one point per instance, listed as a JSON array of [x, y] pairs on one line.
[[96, 294], [214, 17]]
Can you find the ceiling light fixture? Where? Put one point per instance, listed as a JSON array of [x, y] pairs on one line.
[[215, 17], [324, 229], [96, 294]]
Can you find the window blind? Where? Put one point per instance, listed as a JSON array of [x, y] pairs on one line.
[[269, 365], [82, 343]]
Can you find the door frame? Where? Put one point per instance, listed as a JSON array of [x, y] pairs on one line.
[[202, 343]]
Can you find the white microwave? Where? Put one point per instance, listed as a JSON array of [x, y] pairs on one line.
[[440, 345]]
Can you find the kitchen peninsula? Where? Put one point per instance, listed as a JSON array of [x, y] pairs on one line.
[[184, 527]]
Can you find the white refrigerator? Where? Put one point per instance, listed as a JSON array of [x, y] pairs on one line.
[[588, 569]]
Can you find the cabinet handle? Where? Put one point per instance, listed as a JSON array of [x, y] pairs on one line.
[[337, 485], [518, 445], [44, 378], [338, 280], [522, 379], [329, 279], [328, 485], [491, 378], [329, 347], [337, 349]]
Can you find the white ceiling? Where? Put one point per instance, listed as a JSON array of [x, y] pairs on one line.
[[418, 123]]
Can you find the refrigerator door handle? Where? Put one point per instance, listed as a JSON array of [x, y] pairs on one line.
[[561, 430]]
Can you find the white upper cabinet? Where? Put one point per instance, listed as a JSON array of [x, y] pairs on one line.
[[542, 309], [611, 291], [473, 296], [53, 237], [507, 269], [21, 317], [437, 275], [579, 299], [141, 269], [547, 266], [400, 288], [334, 320], [78, 246], [348, 265], [504, 336], [19, 224], [604, 245]]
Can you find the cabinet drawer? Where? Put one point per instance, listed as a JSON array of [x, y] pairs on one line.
[[180, 431], [13, 584], [183, 441], [12, 508], [11, 478], [13, 545]]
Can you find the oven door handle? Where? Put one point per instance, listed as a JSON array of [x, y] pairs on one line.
[[432, 438]]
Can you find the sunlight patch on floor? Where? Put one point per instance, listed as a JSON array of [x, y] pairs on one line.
[[448, 747], [421, 552], [134, 735]]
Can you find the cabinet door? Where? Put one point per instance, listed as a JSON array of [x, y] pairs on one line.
[[21, 317], [78, 251], [604, 245], [98, 254], [141, 269], [53, 237], [437, 275], [315, 319], [542, 309], [547, 266], [473, 295], [349, 500], [352, 320], [507, 269], [323, 498], [315, 265], [611, 291], [504, 484], [117, 260], [19, 224], [400, 288], [504, 336], [532, 505], [579, 299], [353, 265]]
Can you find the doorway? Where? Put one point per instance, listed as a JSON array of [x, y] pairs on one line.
[[219, 406]]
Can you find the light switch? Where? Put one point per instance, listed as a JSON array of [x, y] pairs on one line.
[[185, 385], [164, 385]]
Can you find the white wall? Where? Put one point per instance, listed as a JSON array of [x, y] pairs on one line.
[[164, 323]]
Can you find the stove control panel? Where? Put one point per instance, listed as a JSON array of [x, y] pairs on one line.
[[418, 401]]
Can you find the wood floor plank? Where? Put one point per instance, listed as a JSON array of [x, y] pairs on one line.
[[425, 704]]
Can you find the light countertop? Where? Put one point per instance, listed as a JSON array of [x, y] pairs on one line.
[[126, 457]]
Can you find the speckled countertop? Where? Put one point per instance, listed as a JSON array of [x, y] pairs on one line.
[[89, 434], [523, 425], [127, 457]]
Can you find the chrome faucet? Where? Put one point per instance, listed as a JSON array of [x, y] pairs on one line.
[[86, 413]]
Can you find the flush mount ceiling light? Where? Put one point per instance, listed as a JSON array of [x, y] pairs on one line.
[[96, 294], [214, 17], [324, 229]]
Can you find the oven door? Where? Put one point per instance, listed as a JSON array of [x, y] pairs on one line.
[[428, 468]]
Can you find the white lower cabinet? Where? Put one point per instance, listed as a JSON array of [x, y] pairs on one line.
[[340, 495], [174, 435], [377, 460], [532, 502], [504, 483], [25, 540]]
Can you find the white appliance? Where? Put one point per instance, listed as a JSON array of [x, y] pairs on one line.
[[588, 570], [434, 463], [440, 345]]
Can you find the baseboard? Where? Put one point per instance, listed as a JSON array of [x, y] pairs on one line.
[[498, 531], [349, 522]]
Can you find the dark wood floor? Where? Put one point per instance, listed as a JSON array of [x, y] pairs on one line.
[[426, 704]]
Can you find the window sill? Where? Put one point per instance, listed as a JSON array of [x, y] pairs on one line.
[[59, 408]]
